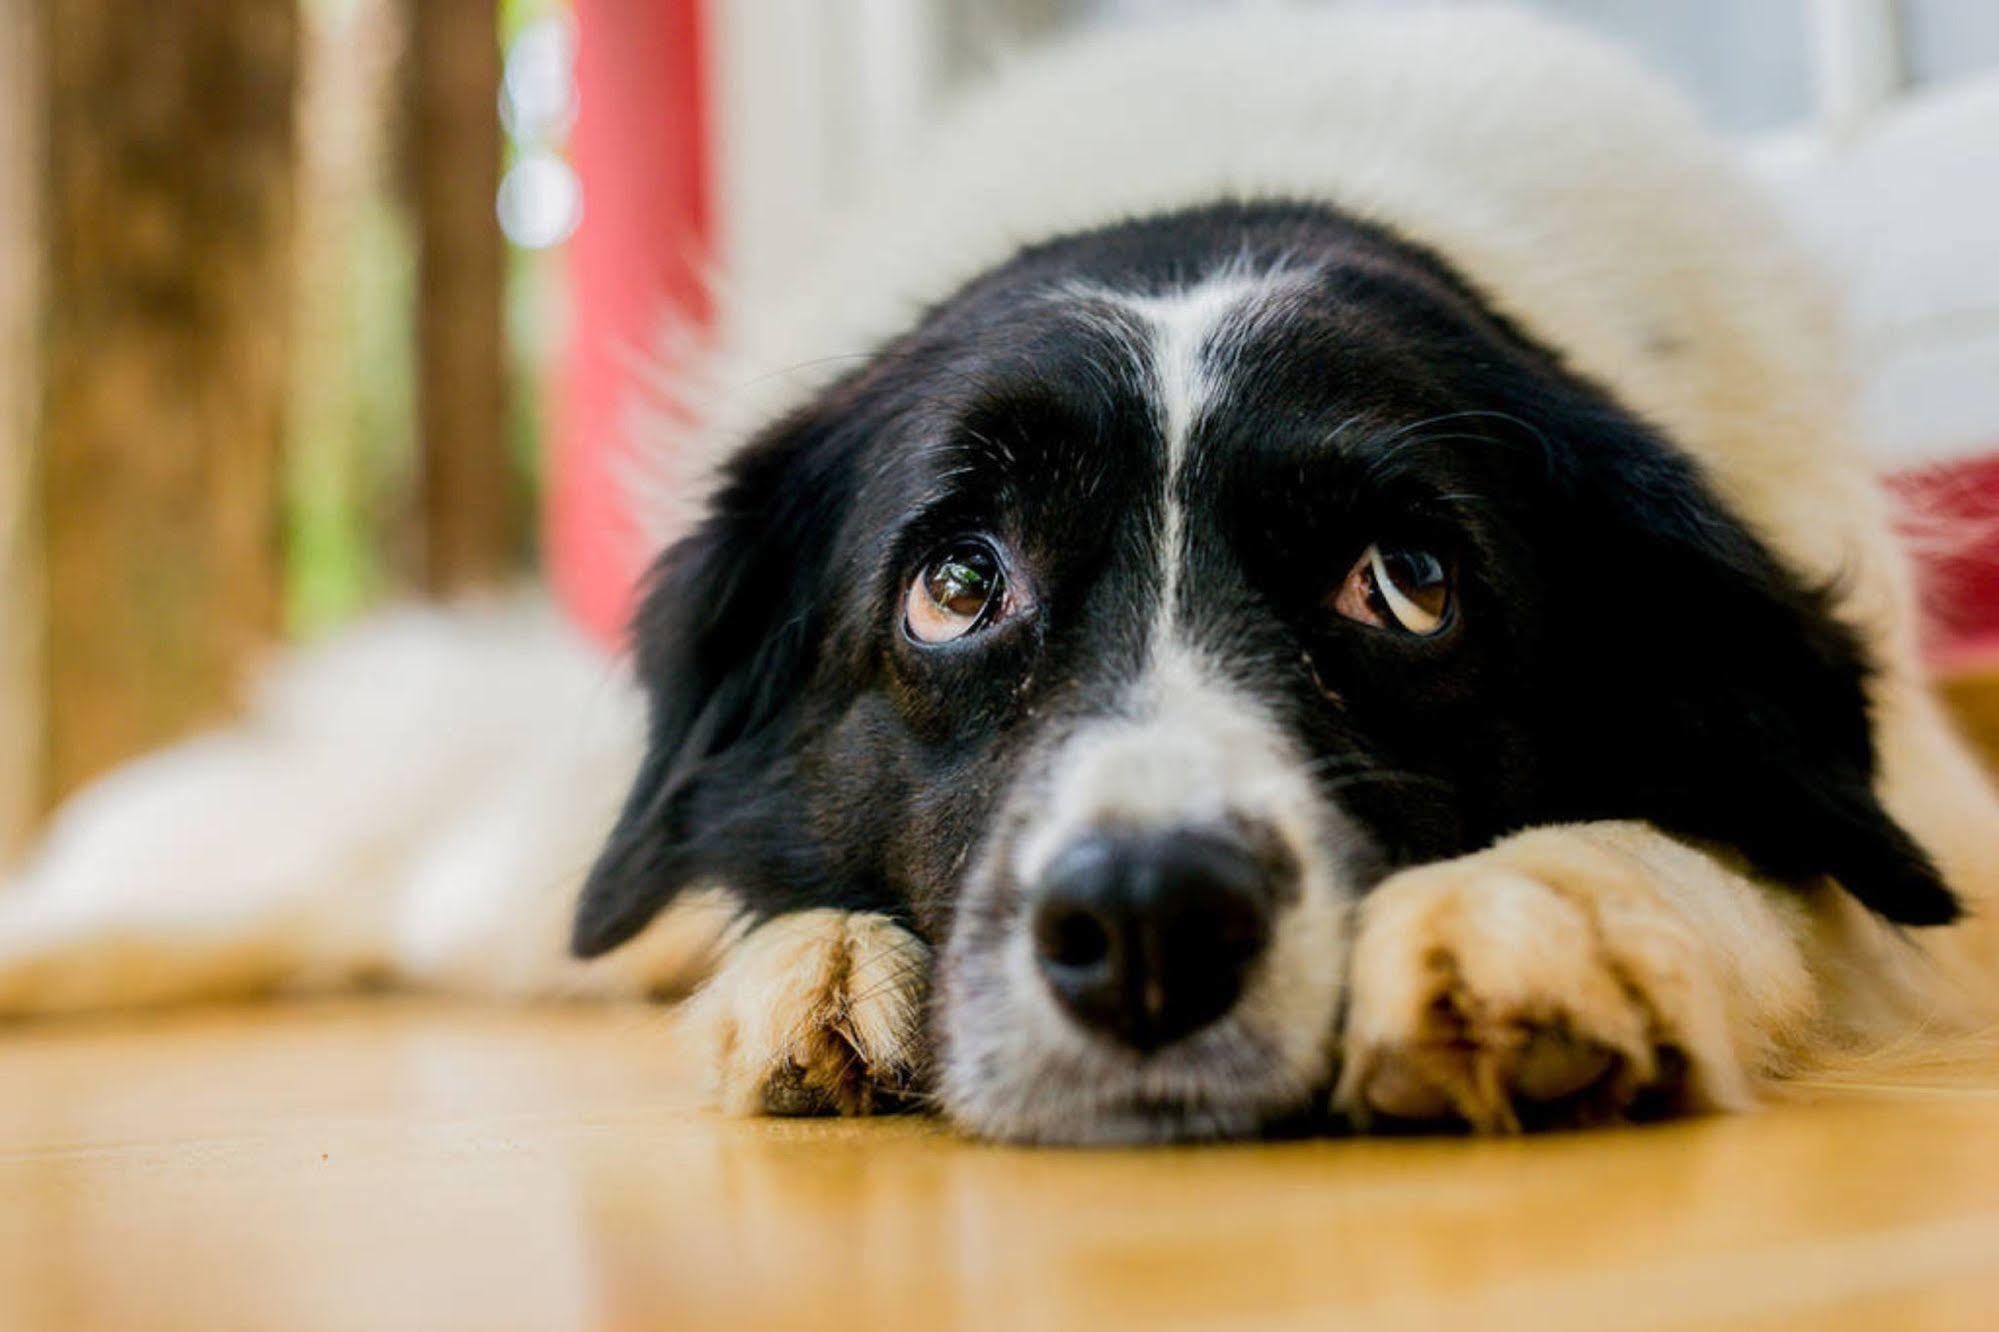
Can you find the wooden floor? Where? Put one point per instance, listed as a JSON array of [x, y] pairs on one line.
[[402, 1164]]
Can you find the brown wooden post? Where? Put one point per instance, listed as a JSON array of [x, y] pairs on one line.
[[470, 517], [21, 678], [168, 181]]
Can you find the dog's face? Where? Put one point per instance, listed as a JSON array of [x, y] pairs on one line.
[[1124, 622]]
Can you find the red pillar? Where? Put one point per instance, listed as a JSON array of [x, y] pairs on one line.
[[641, 150]]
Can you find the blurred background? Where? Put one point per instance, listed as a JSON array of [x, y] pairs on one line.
[[307, 305]]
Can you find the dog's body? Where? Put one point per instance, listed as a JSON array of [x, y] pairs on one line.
[[1486, 268]]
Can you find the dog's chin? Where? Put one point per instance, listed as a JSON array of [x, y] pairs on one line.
[[1014, 1068], [1170, 1098]]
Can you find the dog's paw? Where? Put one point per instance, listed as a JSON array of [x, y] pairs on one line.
[[816, 1013], [1543, 983]]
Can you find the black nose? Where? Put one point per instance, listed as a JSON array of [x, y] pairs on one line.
[[1148, 937]]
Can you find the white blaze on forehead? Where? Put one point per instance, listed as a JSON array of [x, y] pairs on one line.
[[1184, 326], [1186, 745], [1189, 334]]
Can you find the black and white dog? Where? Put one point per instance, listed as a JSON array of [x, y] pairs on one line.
[[1341, 581]]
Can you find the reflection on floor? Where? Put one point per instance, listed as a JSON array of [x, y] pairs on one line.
[[397, 1163]]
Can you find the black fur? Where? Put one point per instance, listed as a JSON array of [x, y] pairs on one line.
[[1624, 647]]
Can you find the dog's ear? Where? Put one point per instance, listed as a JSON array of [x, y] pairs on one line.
[[1724, 686], [725, 639]]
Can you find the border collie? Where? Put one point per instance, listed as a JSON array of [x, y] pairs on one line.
[[1303, 563]]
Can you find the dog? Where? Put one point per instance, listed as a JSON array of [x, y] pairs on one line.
[[1299, 564]]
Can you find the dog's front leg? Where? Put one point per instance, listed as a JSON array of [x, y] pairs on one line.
[[1568, 975], [816, 1012]]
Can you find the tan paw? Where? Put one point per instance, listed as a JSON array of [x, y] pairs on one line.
[[819, 1012], [1539, 984]]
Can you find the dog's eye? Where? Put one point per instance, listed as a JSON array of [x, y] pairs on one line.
[[958, 591], [1403, 588]]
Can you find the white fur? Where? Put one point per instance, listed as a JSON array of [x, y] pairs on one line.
[[418, 799], [824, 1007], [1185, 747]]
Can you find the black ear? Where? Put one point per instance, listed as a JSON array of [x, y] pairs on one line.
[[1713, 690], [724, 637]]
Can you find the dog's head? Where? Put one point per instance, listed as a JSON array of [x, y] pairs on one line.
[[1122, 623]]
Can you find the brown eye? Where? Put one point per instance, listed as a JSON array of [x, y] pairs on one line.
[[959, 590], [1401, 588]]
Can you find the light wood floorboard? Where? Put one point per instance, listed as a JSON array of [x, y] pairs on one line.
[[406, 1164]]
